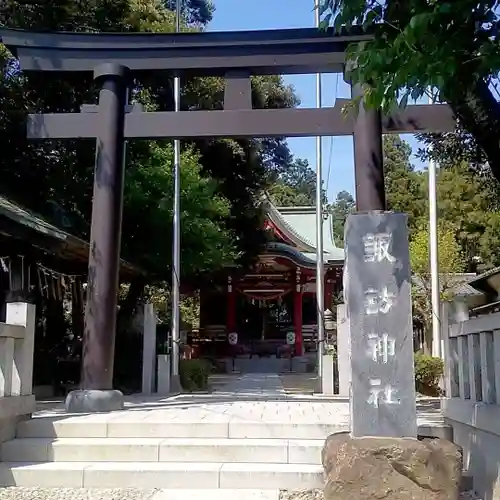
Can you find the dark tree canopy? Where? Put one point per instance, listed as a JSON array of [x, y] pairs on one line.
[[197, 12], [343, 205], [294, 184]]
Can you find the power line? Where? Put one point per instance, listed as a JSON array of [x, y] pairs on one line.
[[330, 154]]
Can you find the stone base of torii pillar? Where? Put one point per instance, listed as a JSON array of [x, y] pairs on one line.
[[94, 401]]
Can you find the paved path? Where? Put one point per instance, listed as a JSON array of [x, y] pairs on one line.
[[253, 384], [255, 398]]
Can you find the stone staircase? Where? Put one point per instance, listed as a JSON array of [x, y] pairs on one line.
[[99, 452], [211, 444]]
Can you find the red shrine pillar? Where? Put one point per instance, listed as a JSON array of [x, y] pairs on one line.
[[328, 293], [297, 314], [231, 306]]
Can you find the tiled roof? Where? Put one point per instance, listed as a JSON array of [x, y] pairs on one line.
[[300, 224], [466, 290], [69, 245]]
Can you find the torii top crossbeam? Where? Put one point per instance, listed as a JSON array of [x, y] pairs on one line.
[[288, 51], [236, 55]]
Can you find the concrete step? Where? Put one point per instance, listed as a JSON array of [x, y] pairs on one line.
[[75, 427], [162, 450], [178, 475]]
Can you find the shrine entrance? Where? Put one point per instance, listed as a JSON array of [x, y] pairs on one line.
[[264, 319]]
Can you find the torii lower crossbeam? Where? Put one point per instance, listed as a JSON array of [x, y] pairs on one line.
[[242, 123]]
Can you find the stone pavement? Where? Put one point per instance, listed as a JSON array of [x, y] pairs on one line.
[[253, 384], [250, 398]]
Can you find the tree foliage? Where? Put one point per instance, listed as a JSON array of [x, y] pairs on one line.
[[450, 264], [450, 256], [470, 207], [411, 51], [294, 184], [148, 202], [343, 205], [402, 184]]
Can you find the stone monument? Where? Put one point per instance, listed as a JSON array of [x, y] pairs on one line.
[[382, 458], [378, 297]]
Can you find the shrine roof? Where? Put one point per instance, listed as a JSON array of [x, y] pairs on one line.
[[21, 224], [298, 224]]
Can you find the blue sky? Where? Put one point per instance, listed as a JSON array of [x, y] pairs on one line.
[[338, 165]]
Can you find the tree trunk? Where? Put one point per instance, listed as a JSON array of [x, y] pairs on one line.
[[127, 307], [427, 338], [479, 113]]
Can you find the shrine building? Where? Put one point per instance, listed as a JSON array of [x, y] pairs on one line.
[[278, 295]]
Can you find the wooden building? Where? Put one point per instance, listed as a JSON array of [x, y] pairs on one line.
[[48, 266]]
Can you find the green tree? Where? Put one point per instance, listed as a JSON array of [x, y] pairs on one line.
[[411, 51], [403, 185], [450, 264], [453, 148], [343, 205], [469, 206], [460, 148], [283, 195], [148, 208], [294, 184], [196, 12]]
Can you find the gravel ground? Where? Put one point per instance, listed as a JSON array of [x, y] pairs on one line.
[[19, 493], [318, 495], [301, 495]]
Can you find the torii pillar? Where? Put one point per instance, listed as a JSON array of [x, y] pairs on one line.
[[96, 393], [368, 157]]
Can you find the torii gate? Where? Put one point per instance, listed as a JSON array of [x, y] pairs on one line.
[[236, 56]]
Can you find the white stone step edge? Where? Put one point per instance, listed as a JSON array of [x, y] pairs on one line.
[[78, 427], [292, 451], [70, 427], [180, 475]]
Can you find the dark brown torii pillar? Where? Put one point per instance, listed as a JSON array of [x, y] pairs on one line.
[[368, 157], [105, 233], [97, 392]]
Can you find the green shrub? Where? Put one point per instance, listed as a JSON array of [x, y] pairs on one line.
[[194, 374], [428, 372]]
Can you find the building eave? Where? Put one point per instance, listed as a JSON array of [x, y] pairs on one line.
[[277, 219], [298, 257], [49, 237]]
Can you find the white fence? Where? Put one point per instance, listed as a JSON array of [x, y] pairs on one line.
[[472, 405], [17, 338], [473, 359]]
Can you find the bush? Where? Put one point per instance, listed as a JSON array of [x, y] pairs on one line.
[[194, 374], [428, 372]]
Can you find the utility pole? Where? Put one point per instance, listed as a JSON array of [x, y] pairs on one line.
[[176, 247], [320, 267], [434, 256]]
